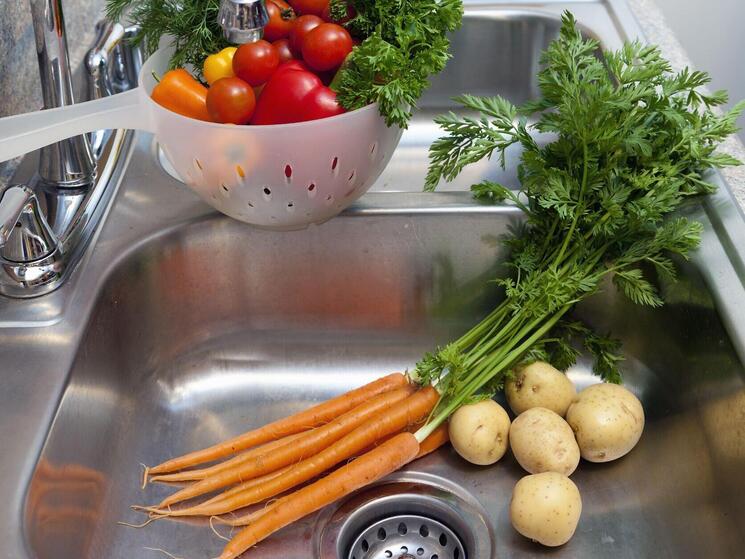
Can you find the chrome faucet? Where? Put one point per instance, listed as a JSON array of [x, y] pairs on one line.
[[68, 163], [46, 224], [242, 21]]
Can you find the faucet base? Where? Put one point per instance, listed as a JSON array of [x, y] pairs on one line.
[[75, 218]]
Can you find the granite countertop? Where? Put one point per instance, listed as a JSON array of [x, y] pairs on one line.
[[652, 22], [650, 19]]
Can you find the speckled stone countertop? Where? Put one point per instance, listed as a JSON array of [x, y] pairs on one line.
[[652, 22]]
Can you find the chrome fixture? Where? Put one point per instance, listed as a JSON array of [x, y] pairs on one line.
[[68, 163], [243, 21], [46, 224]]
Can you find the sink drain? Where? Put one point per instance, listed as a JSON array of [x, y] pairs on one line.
[[407, 537]]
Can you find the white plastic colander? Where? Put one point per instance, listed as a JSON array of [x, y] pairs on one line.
[[283, 176]]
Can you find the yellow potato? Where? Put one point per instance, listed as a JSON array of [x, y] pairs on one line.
[[539, 385], [479, 432], [607, 421], [546, 508], [543, 442]]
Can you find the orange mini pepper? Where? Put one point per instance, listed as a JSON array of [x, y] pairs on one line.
[[180, 92]]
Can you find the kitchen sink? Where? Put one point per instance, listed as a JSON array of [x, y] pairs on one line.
[[213, 328], [182, 327]]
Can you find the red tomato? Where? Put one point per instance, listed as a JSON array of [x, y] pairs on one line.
[[281, 21], [283, 49], [255, 62], [231, 100], [326, 15], [314, 7], [326, 47], [303, 25]]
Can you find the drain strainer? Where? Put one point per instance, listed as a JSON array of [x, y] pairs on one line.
[[407, 537]]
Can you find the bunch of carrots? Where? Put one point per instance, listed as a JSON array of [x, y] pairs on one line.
[[354, 439]]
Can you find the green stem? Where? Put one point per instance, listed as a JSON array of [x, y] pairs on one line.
[[579, 203], [479, 382]]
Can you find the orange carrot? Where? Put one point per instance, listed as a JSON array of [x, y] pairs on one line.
[[439, 437], [408, 412], [195, 475], [233, 491], [383, 460], [314, 442], [303, 421]]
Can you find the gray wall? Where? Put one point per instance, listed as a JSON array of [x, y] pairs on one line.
[[19, 75], [713, 34]]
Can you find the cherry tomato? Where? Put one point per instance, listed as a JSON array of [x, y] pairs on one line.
[[281, 20], [314, 7], [303, 25], [283, 49], [231, 100], [326, 47], [255, 62], [326, 15]]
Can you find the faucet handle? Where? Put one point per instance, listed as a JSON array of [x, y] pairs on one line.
[[25, 235]]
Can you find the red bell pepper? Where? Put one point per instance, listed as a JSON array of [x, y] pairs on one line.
[[295, 94]]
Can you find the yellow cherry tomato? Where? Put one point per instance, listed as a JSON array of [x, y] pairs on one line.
[[220, 65]]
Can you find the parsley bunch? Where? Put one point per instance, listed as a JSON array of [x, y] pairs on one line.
[[633, 142], [404, 43], [191, 23]]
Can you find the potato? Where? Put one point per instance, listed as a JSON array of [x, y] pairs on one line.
[[479, 432], [607, 421], [539, 385], [543, 442], [546, 508]]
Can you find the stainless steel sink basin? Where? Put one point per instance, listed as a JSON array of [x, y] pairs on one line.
[[213, 328], [183, 327]]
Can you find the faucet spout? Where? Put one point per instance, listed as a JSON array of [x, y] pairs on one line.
[[68, 163], [243, 21]]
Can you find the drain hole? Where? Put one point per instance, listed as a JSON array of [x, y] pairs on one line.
[[407, 537]]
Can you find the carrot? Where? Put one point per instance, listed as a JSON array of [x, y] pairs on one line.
[[434, 441], [314, 442], [303, 421], [195, 475], [241, 487], [411, 410], [439, 437], [383, 460]]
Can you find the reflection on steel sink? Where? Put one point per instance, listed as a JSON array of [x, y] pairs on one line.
[[184, 327]]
